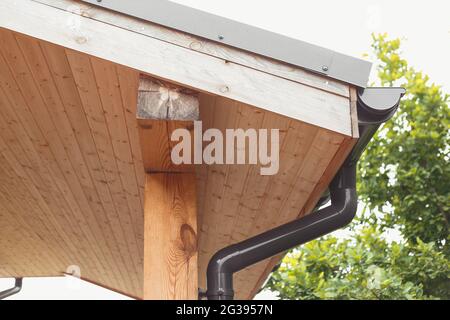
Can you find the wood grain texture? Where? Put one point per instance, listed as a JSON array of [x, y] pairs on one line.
[[170, 201], [163, 101], [68, 165], [161, 109], [188, 67], [170, 237], [353, 111], [72, 177], [201, 45], [341, 154], [239, 202], [156, 144]]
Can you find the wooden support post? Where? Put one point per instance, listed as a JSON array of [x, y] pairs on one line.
[[170, 212], [170, 237]]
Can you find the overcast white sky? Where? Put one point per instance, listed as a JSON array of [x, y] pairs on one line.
[[343, 26]]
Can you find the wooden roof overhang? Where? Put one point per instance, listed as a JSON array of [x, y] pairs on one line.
[[74, 179]]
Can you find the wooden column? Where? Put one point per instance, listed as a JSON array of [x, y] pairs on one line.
[[170, 212], [170, 237]]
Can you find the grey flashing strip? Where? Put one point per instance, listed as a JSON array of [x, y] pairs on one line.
[[269, 44]]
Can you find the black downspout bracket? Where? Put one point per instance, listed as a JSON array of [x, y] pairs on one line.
[[375, 106], [16, 289]]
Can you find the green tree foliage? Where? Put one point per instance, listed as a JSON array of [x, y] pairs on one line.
[[406, 166], [404, 182], [364, 267]]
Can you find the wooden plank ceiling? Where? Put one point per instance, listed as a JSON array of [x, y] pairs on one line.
[[72, 178]]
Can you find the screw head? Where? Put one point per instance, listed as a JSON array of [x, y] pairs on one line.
[[221, 37], [324, 68]]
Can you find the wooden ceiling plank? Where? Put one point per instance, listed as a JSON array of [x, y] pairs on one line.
[[81, 67], [225, 114], [56, 149], [30, 140], [28, 233], [41, 185], [298, 142], [323, 148], [51, 100], [337, 161], [110, 214], [16, 265], [35, 220], [221, 218], [207, 106], [111, 102], [50, 97], [13, 148], [33, 240], [64, 80], [129, 83], [38, 67], [13, 236], [257, 186]]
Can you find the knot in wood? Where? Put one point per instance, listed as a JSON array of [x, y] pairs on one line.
[[188, 238]]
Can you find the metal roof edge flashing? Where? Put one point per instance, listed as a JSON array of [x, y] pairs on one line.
[[242, 36]]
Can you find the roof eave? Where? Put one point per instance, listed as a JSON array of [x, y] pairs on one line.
[[242, 36]]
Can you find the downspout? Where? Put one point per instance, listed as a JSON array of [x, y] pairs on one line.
[[375, 106], [16, 289]]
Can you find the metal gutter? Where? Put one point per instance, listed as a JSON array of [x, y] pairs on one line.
[[239, 35], [375, 106], [16, 289]]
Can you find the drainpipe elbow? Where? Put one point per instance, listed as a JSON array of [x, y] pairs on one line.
[[220, 274], [347, 211], [344, 199], [16, 289]]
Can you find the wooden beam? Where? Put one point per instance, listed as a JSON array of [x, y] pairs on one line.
[[353, 111], [178, 64], [163, 108], [170, 202], [164, 101], [202, 45], [170, 237]]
